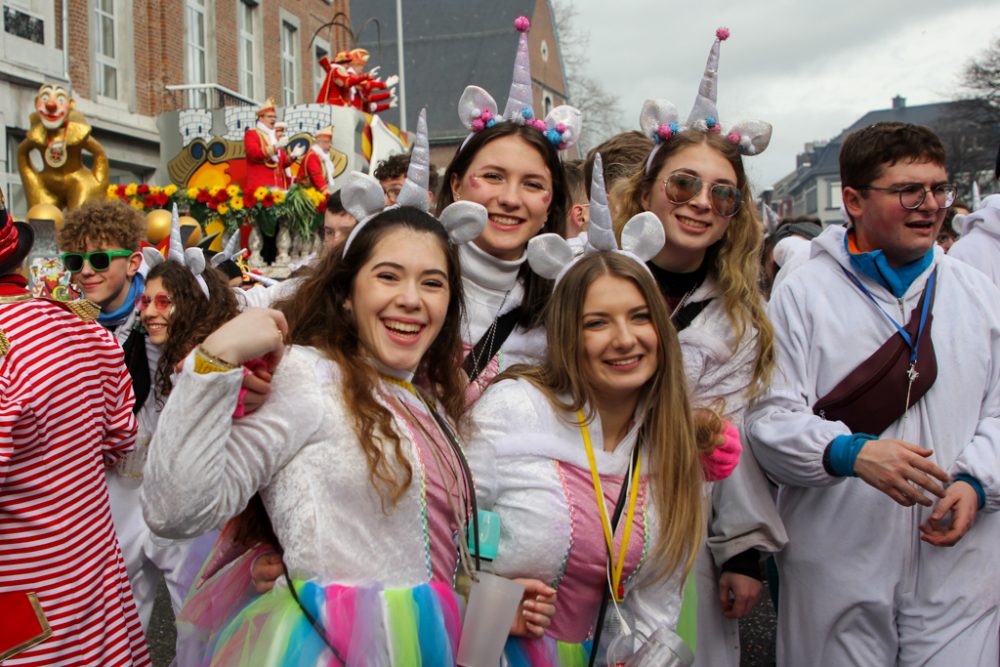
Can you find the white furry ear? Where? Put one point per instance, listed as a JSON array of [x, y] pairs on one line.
[[194, 259], [654, 114], [643, 236], [464, 221], [362, 196], [570, 119], [152, 257], [754, 136], [472, 104], [549, 254]]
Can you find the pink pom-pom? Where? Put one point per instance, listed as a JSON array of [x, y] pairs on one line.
[[478, 125], [560, 127], [562, 145], [715, 129], [522, 24], [722, 34], [733, 137], [539, 125], [486, 115]]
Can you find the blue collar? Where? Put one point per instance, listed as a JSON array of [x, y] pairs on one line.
[[118, 315], [875, 265]]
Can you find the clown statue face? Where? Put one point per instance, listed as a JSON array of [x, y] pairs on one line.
[[53, 105]]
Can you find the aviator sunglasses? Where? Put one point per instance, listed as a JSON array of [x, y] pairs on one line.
[[99, 260], [160, 302], [681, 187]]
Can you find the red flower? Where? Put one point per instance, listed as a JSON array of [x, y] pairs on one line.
[[143, 189], [212, 204], [268, 200], [161, 199], [149, 201], [221, 196], [321, 208], [203, 196], [120, 191], [249, 201]]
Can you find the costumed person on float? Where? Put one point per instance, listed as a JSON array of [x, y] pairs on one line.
[[61, 135], [65, 414], [317, 166], [347, 84], [266, 157]]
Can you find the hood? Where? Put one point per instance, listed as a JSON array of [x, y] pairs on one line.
[[986, 218]]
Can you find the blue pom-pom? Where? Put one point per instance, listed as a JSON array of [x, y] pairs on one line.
[[527, 113], [674, 127], [491, 122], [711, 121], [553, 135]]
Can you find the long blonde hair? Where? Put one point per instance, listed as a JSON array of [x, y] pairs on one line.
[[733, 261], [667, 430]]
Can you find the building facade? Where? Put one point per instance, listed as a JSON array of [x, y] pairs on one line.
[[129, 62]]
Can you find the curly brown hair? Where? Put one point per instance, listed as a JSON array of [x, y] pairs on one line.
[[106, 223], [194, 316]]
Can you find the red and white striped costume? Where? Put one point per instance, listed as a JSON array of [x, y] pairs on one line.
[[65, 412]]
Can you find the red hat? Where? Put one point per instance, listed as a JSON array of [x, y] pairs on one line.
[[16, 239]]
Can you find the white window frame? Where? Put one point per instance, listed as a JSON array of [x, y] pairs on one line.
[[319, 74], [253, 66], [121, 62], [193, 9], [102, 59], [290, 55]]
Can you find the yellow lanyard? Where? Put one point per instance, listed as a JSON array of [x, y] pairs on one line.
[[617, 565]]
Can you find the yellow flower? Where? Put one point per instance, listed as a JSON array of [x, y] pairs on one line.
[[192, 193], [260, 192], [112, 191], [236, 203], [171, 190], [279, 196], [233, 190], [155, 190], [222, 209], [214, 190], [130, 189], [136, 203]]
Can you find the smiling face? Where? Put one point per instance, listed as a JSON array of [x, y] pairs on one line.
[[880, 221], [109, 288], [157, 309], [52, 104], [400, 297], [694, 226], [620, 342], [510, 178]]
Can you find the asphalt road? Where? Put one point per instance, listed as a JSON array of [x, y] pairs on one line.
[[756, 633]]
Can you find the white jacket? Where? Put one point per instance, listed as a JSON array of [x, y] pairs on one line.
[[980, 242]]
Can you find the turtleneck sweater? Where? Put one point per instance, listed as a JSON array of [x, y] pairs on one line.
[[491, 288]]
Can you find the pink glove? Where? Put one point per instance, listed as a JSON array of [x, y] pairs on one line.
[[721, 461]]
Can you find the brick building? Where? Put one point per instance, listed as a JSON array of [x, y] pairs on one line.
[[123, 54]]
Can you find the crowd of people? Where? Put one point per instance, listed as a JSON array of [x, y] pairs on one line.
[[606, 359]]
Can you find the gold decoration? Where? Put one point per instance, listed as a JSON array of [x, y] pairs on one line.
[[157, 225], [4, 343], [61, 135], [195, 237], [45, 212]]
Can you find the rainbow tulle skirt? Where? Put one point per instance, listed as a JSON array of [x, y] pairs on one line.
[[225, 624], [545, 652]]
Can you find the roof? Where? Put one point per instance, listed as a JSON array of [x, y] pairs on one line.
[[448, 44]]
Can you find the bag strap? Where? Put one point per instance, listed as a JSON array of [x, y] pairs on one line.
[[492, 339], [312, 621], [619, 507]]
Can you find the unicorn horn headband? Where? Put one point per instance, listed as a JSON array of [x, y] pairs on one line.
[[193, 259], [478, 110], [551, 256], [659, 119], [363, 197]]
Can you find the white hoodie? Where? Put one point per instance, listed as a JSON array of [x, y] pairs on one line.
[[980, 242]]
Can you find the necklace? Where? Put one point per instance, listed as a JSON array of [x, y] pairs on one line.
[[488, 336], [684, 299], [55, 149]]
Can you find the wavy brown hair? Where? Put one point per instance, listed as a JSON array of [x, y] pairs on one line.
[[536, 288], [667, 431], [317, 317], [733, 261], [194, 315]]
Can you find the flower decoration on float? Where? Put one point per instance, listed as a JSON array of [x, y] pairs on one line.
[[551, 256], [478, 110], [364, 198], [660, 121]]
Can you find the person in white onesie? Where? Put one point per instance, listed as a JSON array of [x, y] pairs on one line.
[[876, 572]]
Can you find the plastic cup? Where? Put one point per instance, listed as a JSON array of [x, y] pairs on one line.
[[493, 603]]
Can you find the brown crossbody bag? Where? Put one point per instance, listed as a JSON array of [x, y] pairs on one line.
[[886, 384]]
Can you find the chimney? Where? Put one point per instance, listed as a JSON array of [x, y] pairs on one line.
[[898, 102]]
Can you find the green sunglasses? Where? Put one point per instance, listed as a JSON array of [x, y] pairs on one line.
[[99, 260]]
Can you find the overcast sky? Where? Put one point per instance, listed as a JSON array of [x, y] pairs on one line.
[[809, 68]]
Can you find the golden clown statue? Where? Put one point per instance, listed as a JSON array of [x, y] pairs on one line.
[[61, 135]]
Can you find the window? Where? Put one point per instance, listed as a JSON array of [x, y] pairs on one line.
[[106, 48], [24, 25], [547, 104], [196, 50], [247, 19], [289, 63], [319, 74], [835, 198]]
